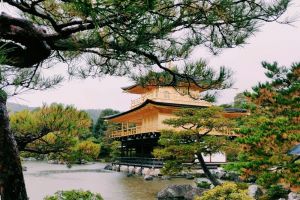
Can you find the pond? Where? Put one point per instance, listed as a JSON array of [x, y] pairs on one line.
[[44, 179]]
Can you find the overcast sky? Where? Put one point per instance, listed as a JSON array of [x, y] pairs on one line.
[[274, 42]]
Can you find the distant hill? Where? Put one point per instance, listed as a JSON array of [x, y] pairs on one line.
[[93, 113], [15, 107]]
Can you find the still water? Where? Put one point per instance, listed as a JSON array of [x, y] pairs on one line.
[[44, 179]]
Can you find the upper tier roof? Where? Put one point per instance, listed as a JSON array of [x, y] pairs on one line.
[[139, 89]]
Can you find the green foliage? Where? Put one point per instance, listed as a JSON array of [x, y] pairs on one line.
[[56, 130], [277, 192], [115, 150], [74, 195], [272, 129], [170, 169], [193, 74], [115, 37], [3, 96], [228, 191], [84, 150], [191, 136], [101, 125], [240, 101], [204, 185]]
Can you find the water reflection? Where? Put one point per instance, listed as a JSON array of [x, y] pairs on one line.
[[44, 179]]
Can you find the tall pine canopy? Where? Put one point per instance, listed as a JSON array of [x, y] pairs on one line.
[[273, 129]]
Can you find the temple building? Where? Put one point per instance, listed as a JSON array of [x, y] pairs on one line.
[[139, 128]]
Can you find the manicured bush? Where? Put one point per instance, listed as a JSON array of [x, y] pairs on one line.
[[74, 195], [204, 185], [277, 192], [228, 191]]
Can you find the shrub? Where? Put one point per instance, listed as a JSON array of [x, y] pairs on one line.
[[203, 184], [74, 195], [276, 192], [228, 191]]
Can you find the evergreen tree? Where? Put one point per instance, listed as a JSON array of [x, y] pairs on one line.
[[56, 131], [101, 126], [194, 135], [272, 129]]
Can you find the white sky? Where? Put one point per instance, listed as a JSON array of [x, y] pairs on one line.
[[274, 42]]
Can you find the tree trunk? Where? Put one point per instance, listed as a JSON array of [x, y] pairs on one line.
[[210, 177], [12, 186]]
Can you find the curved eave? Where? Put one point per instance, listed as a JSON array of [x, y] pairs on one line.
[[149, 101]]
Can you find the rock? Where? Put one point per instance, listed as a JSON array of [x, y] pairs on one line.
[[174, 192], [117, 168], [24, 168], [108, 167], [146, 171], [131, 169], [138, 171], [124, 168], [148, 178], [293, 196], [219, 173], [166, 177], [53, 161], [190, 195], [231, 176], [29, 159], [189, 176], [254, 191]]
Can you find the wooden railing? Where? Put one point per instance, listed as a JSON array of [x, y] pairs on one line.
[[131, 131], [148, 129]]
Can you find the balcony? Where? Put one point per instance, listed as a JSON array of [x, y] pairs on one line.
[[131, 131]]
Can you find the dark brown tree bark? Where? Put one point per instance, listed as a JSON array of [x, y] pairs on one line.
[[12, 186], [206, 171]]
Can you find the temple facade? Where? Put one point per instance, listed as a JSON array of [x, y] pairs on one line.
[[139, 128]]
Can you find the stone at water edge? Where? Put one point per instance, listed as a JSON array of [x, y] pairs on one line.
[[108, 167], [166, 177], [186, 192], [293, 196], [138, 171], [148, 178], [189, 176], [131, 169], [254, 191], [190, 195], [146, 171], [24, 168], [124, 168]]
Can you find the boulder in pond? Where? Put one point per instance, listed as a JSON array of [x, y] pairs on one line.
[[189, 176], [129, 174], [108, 167], [184, 192], [148, 178]]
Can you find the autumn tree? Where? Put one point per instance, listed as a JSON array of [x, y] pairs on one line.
[[198, 133], [272, 129], [56, 131], [115, 37]]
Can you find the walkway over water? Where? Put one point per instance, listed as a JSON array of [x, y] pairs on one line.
[[156, 163]]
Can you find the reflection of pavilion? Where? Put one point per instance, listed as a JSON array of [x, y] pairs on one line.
[[139, 128]]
